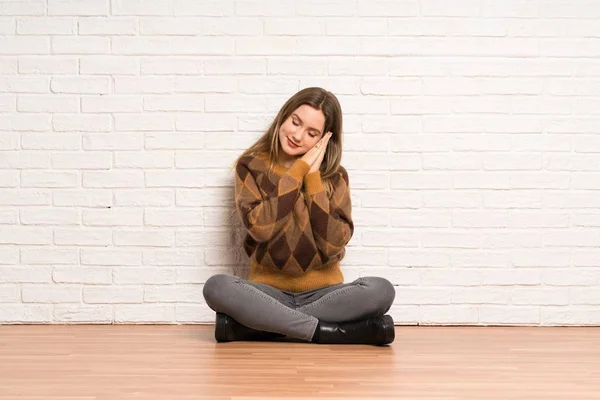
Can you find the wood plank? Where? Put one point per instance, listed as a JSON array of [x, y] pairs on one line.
[[174, 362]]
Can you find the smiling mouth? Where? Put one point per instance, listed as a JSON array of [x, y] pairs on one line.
[[292, 145]]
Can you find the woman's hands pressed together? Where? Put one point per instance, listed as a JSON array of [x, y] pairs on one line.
[[314, 157]]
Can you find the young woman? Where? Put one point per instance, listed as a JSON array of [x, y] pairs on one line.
[[293, 197]]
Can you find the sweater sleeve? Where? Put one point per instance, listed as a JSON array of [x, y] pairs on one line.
[[330, 217], [265, 216]]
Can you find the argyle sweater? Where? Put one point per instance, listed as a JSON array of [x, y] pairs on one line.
[[296, 234]]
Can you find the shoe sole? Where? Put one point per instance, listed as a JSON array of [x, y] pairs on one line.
[[388, 328], [221, 329]]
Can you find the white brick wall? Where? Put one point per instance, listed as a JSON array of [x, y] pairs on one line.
[[472, 143]]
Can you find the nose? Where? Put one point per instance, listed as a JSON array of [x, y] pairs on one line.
[[296, 137]]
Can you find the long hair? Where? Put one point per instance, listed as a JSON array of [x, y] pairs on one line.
[[319, 99]]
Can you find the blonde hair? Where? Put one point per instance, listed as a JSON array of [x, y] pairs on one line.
[[319, 99]]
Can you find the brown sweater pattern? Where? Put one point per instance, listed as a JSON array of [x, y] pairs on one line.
[[296, 233]]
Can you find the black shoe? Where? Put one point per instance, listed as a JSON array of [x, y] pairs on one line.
[[228, 329], [377, 331]]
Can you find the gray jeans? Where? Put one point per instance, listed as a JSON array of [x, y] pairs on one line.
[[296, 315]]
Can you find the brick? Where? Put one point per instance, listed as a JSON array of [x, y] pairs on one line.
[[234, 66], [77, 313], [113, 179], [565, 316], [83, 198], [150, 159], [144, 313], [150, 238], [301, 26], [142, 7], [111, 104], [232, 26], [144, 197], [106, 65], [141, 85], [387, 8], [255, 85], [24, 122], [8, 103], [35, 274], [420, 180], [46, 26], [9, 217], [9, 178], [420, 218], [176, 45], [112, 141], [370, 181], [388, 238], [508, 239], [391, 199], [86, 160], [111, 257], [172, 66], [173, 103], [166, 217], [189, 313], [364, 66], [539, 296], [170, 26], [204, 238], [80, 45], [113, 217], [267, 45], [502, 315], [228, 103], [145, 275], [106, 26], [205, 123], [25, 313], [81, 8], [48, 104], [143, 122], [202, 197], [9, 293], [49, 256], [23, 45], [50, 216], [82, 123], [416, 258], [46, 179], [448, 314], [82, 237], [26, 197], [80, 85], [7, 26], [82, 275], [387, 46], [175, 258], [451, 239], [55, 293], [517, 199], [566, 277], [25, 84], [181, 293], [112, 294], [189, 179], [256, 8]]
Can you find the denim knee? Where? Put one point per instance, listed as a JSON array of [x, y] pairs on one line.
[[382, 290], [214, 288]]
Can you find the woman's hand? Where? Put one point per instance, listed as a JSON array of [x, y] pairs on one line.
[[314, 157]]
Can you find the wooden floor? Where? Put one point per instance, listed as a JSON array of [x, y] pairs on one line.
[[183, 362]]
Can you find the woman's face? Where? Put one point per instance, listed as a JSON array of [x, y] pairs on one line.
[[301, 131]]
